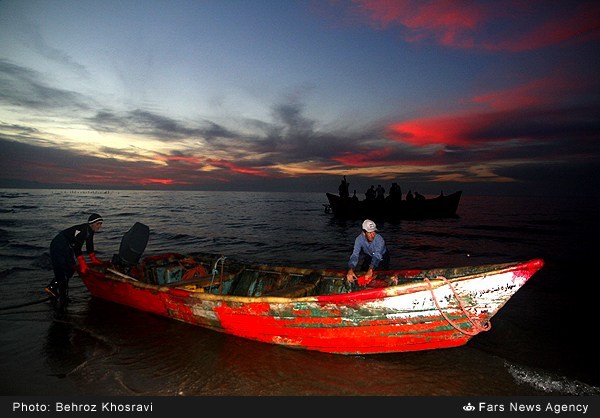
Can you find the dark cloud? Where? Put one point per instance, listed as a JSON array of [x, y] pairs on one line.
[[18, 130], [537, 134], [293, 138], [576, 122], [142, 123], [289, 138], [517, 150], [292, 120], [26, 164], [152, 125], [23, 87]]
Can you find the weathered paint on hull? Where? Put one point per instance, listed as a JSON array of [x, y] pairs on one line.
[[383, 320]]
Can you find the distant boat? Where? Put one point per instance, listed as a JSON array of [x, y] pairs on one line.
[[441, 206], [316, 309]]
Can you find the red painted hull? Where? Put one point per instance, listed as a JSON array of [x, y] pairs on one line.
[[425, 312]]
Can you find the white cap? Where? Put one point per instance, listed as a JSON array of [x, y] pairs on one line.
[[369, 226]]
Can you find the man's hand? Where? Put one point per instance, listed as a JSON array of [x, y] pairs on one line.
[[94, 259], [83, 267], [366, 279], [350, 276]]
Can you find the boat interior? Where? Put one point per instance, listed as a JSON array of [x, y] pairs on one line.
[[202, 272], [228, 277]]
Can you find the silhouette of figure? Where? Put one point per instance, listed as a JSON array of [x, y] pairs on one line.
[[370, 193], [396, 191], [419, 196], [409, 196], [380, 192], [67, 246], [343, 188], [354, 197]]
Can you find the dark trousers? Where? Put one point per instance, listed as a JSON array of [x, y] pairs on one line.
[[384, 265], [63, 264]]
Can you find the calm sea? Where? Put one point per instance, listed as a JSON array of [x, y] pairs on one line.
[[543, 342]]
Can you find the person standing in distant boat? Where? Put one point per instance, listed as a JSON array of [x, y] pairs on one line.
[[343, 188], [67, 246], [396, 191], [370, 193], [371, 247]]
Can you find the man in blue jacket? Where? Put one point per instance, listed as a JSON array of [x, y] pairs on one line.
[[65, 248], [371, 246]]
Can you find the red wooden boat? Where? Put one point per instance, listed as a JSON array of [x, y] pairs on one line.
[[398, 311]]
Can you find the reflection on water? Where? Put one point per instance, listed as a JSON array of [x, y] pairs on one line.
[[119, 351]]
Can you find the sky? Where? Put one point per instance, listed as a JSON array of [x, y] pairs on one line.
[[488, 97]]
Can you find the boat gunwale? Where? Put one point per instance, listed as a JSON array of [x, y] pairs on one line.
[[360, 295]]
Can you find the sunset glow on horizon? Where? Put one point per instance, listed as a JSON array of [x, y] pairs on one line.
[[486, 97]]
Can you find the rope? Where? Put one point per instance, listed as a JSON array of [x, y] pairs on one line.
[[477, 325], [193, 272], [215, 271]]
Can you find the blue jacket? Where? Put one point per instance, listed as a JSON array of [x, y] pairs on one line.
[[375, 249]]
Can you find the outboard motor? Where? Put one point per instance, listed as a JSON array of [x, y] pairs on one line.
[[133, 245]]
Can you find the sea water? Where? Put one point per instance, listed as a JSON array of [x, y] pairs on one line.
[[542, 342]]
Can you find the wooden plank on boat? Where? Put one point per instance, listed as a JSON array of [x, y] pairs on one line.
[[125, 276], [203, 281], [296, 291]]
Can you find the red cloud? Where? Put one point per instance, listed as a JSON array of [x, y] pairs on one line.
[[449, 22], [445, 130], [464, 129], [217, 163], [238, 169], [147, 181], [539, 92], [364, 159], [581, 24], [511, 26]]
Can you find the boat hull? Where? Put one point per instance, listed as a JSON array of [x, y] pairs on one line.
[[421, 314], [395, 208]]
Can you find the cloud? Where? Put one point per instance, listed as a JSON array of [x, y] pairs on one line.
[[148, 124], [577, 22], [23, 87], [550, 128], [502, 136], [545, 91], [549, 110], [262, 147], [497, 26]]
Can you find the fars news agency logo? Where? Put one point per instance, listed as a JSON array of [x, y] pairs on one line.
[[468, 407]]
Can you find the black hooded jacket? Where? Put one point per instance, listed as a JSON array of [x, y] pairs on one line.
[[77, 235]]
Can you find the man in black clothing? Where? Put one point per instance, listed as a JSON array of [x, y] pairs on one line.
[[343, 188], [64, 248]]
